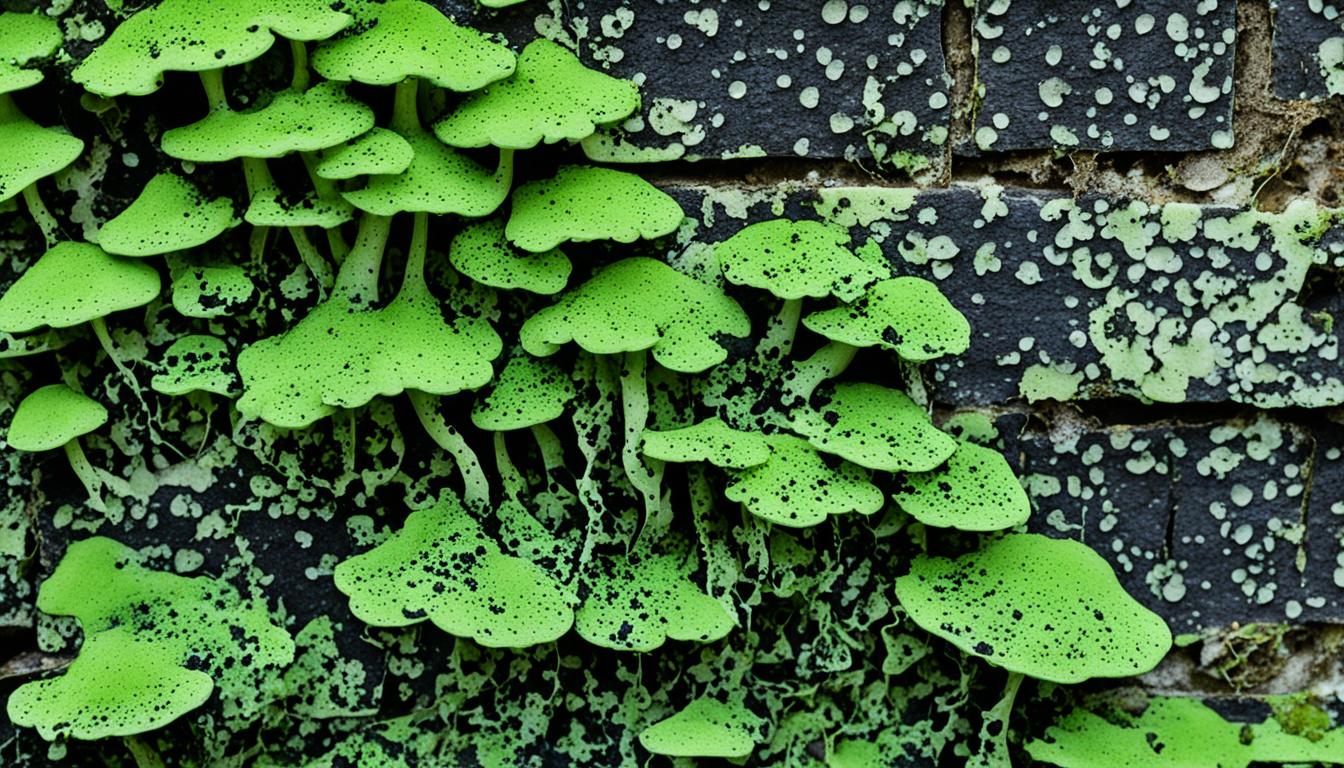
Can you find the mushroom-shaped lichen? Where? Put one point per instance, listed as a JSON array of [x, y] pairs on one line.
[[55, 416], [291, 121], [975, 490], [550, 97], [1047, 608], [443, 567], [199, 36], [582, 203], [170, 214], [636, 602], [380, 151], [77, 283], [343, 354], [24, 38], [528, 393], [907, 315], [156, 645], [480, 251], [32, 153], [710, 440], [875, 427], [196, 363], [795, 260], [637, 304], [707, 727], [410, 38], [634, 305], [438, 179], [796, 487]]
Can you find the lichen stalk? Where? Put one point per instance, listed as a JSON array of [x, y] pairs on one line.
[[475, 485]]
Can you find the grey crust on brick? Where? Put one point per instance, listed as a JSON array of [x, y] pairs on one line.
[[1112, 76]]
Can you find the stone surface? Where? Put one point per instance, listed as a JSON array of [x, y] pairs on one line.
[[1153, 76], [1308, 49], [1095, 298], [789, 78]]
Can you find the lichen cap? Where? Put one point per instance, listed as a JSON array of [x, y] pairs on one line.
[[410, 38], [636, 304], [439, 180], [482, 252], [380, 151], [710, 440], [24, 38], [74, 283], [528, 391], [796, 487], [156, 645], [550, 97], [1048, 608], [707, 727], [170, 214], [442, 566], [292, 121], [199, 35], [907, 315], [32, 152], [52, 416], [795, 259], [975, 490], [875, 427], [582, 203]]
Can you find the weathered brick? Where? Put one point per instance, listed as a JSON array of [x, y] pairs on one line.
[[791, 78], [1308, 49], [1111, 76]]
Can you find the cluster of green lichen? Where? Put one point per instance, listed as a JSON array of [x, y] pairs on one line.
[[698, 532]]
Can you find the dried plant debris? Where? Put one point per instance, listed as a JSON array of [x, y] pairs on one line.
[[838, 79], [1308, 49], [1108, 76]]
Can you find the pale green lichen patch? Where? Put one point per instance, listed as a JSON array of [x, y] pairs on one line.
[[711, 441], [210, 290], [975, 490], [482, 252], [196, 36], [550, 97], [409, 38], [583, 203], [25, 38], [796, 487], [638, 304], [52, 416], [74, 283], [291, 121], [170, 214], [155, 646], [442, 567], [1048, 608], [196, 363], [706, 727], [907, 315], [875, 427]]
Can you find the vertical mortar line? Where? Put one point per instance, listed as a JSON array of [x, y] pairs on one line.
[[1308, 477], [961, 62]]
